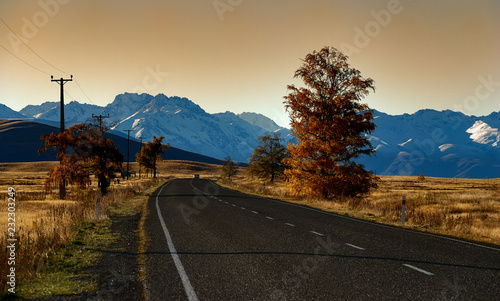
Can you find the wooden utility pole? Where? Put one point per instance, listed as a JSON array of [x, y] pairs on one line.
[[100, 117], [140, 148], [128, 147], [61, 82]]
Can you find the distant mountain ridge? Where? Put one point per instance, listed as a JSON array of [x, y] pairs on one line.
[[6, 112], [435, 143], [183, 123], [442, 144]]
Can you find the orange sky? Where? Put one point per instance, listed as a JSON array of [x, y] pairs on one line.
[[239, 55]]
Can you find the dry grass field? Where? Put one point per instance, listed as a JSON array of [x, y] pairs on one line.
[[43, 222], [467, 208], [457, 207], [33, 203]]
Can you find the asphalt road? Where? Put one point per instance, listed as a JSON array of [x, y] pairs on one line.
[[210, 243]]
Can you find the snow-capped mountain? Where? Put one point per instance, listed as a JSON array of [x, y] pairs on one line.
[[436, 143], [73, 111], [267, 124], [183, 123], [482, 133], [260, 120], [442, 144]]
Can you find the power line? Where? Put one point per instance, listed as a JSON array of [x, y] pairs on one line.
[[84, 92], [47, 62], [31, 48], [24, 60], [66, 92]]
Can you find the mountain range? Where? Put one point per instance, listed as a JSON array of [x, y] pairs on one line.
[[435, 143], [183, 123]]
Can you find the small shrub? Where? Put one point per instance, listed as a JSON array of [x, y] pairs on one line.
[[421, 177]]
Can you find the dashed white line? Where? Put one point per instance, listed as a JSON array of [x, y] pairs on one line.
[[233, 205], [291, 225], [418, 269], [255, 212], [268, 217], [317, 233], [356, 247], [243, 208]]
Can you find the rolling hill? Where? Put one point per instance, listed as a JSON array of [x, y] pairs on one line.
[[21, 141]]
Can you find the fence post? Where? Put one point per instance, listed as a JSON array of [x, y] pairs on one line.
[[98, 205], [403, 210]]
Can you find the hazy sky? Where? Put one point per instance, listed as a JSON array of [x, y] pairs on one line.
[[239, 55]]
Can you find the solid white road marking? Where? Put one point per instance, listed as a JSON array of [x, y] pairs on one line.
[[356, 247], [291, 225], [178, 264], [317, 233], [418, 269]]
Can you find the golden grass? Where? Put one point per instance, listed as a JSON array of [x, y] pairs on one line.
[[467, 208], [458, 207], [43, 222]]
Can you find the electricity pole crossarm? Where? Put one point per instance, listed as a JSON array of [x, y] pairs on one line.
[[100, 117]]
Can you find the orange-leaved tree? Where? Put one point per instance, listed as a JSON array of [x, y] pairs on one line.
[[69, 171], [83, 151], [331, 125], [151, 153]]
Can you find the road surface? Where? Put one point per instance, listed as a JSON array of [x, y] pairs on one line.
[[211, 243]]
